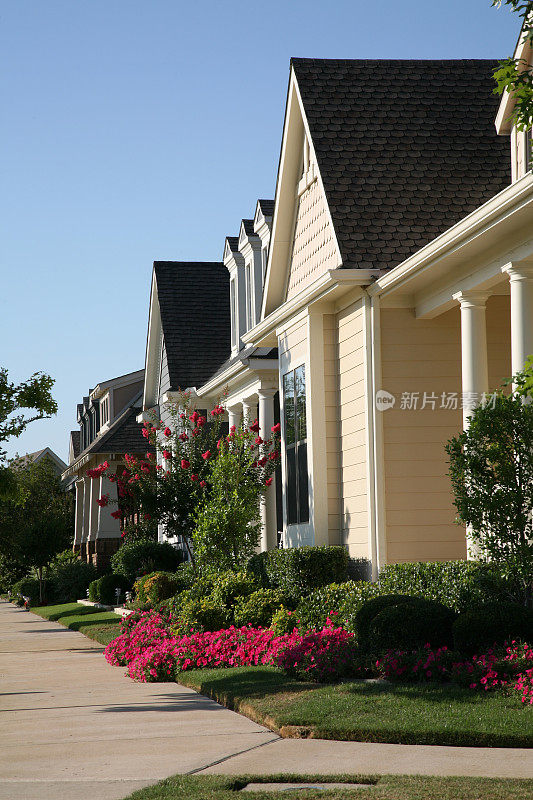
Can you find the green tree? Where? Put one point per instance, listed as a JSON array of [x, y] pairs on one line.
[[37, 522], [513, 74], [491, 470], [33, 395]]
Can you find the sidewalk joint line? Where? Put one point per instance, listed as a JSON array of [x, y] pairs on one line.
[[233, 755]]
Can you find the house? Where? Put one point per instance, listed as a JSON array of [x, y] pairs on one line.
[[46, 454], [382, 295], [398, 290], [108, 430], [199, 314]]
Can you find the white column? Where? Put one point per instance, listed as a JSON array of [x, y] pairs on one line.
[[94, 493], [249, 409], [234, 416], [268, 503], [78, 525], [474, 360], [86, 509], [521, 280], [108, 526]]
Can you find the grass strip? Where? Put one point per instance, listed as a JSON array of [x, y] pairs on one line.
[[368, 711], [386, 787], [101, 626]]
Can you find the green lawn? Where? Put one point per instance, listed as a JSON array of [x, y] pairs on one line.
[[102, 626], [369, 711], [387, 787]]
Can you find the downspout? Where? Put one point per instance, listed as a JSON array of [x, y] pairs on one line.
[[374, 432]]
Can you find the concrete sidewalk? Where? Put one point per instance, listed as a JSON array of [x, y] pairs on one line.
[[73, 727]]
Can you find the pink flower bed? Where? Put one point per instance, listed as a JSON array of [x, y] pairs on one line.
[[151, 653], [510, 668]]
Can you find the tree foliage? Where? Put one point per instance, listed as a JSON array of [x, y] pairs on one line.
[[491, 470], [513, 74], [37, 522]]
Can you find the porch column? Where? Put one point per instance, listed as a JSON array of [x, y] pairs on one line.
[[474, 362], [234, 416], [249, 409], [268, 503], [94, 493], [521, 281], [78, 525], [108, 526], [86, 509]]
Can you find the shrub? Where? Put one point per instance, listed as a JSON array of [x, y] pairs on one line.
[[338, 600], [257, 566], [230, 586], [297, 571], [258, 608], [370, 609], [70, 579], [144, 556], [28, 587], [420, 666], [284, 621], [159, 586], [411, 625], [203, 614], [323, 656], [481, 628], [102, 590], [458, 584]]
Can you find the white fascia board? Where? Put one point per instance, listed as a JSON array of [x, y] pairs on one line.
[[116, 383], [510, 199], [502, 122], [339, 278], [154, 342], [289, 150], [220, 380]]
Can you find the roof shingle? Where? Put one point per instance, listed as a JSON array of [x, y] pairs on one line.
[[405, 149]]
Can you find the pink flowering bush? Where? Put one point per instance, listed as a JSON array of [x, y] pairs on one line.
[[155, 663], [138, 632], [416, 666], [323, 656]]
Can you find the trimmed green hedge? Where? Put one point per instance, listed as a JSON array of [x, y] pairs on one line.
[[258, 608], [458, 584], [138, 557], [477, 629], [297, 571], [102, 590], [338, 601], [410, 625]]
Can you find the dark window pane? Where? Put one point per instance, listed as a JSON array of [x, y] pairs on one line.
[[291, 498], [303, 484], [288, 407], [301, 422]]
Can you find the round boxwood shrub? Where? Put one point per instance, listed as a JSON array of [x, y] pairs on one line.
[[370, 609], [144, 556], [229, 586], [284, 621], [478, 629], [258, 609], [69, 580], [411, 625], [102, 590]]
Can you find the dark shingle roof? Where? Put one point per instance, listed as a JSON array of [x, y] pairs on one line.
[[248, 227], [233, 242], [75, 440], [124, 435], [267, 207], [195, 316], [405, 149]]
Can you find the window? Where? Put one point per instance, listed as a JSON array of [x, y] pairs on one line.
[[233, 311], [528, 146], [249, 299], [264, 261], [296, 481]]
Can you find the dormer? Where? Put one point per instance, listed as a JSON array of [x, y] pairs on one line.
[[234, 263], [521, 141], [264, 211], [250, 249]]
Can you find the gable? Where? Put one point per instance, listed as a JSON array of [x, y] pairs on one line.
[[314, 249]]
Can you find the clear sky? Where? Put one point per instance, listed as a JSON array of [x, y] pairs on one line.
[[137, 130]]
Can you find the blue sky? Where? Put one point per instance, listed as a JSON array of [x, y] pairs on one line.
[[136, 131]]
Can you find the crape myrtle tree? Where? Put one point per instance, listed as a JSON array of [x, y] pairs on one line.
[[491, 470], [203, 486]]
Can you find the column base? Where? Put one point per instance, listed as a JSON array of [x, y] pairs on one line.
[[102, 552]]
